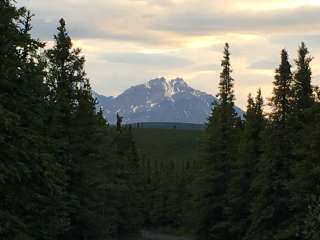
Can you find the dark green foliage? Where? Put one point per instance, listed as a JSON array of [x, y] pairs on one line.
[[31, 179], [129, 184], [69, 113], [305, 186], [169, 145], [219, 148], [282, 93], [168, 162], [166, 195], [302, 89], [312, 221], [82, 142], [304, 113], [270, 208], [244, 169], [64, 174]]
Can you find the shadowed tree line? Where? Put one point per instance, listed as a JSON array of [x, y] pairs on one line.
[[66, 174], [259, 178]]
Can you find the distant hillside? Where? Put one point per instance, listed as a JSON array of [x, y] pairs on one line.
[[160, 100], [168, 144]]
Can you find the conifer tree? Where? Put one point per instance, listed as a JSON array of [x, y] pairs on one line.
[[304, 186], [302, 89], [218, 154], [303, 109], [31, 179], [74, 127], [128, 180], [244, 168], [64, 76], [270, 212]]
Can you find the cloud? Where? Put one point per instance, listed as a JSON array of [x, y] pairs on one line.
[[263, 64], [150, 22], [206, 67], [293, 40], [109, 20], [211, 21], [127, 42], [316, 79], [45, 29], [157, 60]]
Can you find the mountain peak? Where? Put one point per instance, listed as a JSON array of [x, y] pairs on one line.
[[179, 85], [160, 100], [168, 87], [156, 82], [178, 81]]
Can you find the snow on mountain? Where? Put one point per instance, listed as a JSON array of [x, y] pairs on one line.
[[159, 100]]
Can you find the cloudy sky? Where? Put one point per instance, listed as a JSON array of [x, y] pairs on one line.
[[127, 42]]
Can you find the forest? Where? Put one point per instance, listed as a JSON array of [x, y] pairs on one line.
[[66, 174]]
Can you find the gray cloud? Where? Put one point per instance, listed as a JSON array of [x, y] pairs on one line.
[[207, 67], [106, 20], [200, 22], [45, 29], [263, 64], [158, 60], [125, 21], [293, 40], [133, 25]]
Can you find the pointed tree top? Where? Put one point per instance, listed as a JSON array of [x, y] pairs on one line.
[[284, 54], [282, 92], [259, 101], [62, 22], [226, 81], [250, 100], [303, 57]]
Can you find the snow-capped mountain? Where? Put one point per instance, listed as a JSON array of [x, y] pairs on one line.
[[159, 100]]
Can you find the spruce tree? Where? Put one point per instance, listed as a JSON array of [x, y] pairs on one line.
[[304, 186], [31, 179], [129, 181], [302, 89], [218, 153], [64, 76], [270, 212], [72, 122], [244, 168], [303, 101]]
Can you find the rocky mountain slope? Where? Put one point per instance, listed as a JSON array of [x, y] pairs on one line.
[[159, 100]]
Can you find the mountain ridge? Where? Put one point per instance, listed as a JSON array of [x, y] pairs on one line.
[[159, 100]]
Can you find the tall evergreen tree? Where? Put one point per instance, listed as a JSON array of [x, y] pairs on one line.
[[218, 154], [72, 123], [303, 100], [302, 89], [305, 186], [244, 169], [64, 76], [270, 212], [31, 179]]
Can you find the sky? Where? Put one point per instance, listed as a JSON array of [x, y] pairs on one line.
[[128, 42]]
